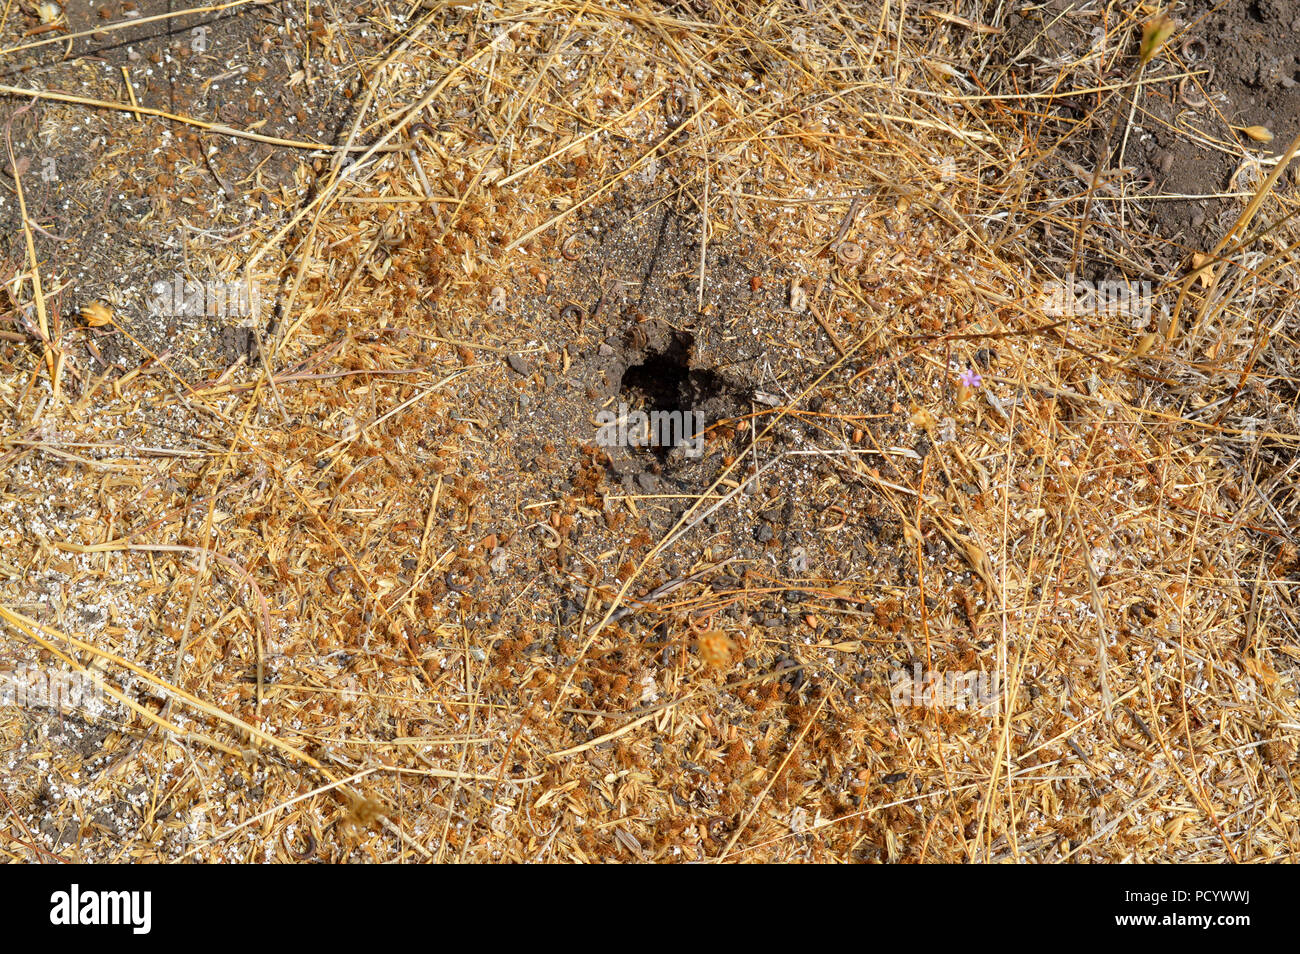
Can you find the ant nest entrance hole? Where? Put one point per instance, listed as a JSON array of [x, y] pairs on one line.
[[669, 393]]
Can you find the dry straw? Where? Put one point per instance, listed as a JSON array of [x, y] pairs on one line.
[[294, 574]]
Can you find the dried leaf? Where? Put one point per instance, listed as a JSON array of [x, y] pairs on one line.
[[1201, 268]]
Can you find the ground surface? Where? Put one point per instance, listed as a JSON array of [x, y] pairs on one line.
[[356, 578]]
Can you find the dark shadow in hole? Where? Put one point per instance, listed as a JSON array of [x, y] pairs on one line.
[[666, 384]]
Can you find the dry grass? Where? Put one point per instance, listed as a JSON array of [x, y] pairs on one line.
[[263, 564]]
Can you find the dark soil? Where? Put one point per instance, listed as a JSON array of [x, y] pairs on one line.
[[1245, 61], [1252, 50]]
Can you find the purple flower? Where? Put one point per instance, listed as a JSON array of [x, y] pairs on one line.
[[971, 378]]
